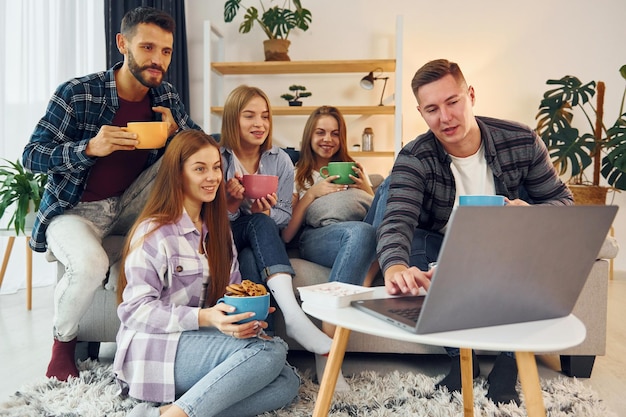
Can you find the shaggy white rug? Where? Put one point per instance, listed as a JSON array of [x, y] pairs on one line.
[[95, 394]]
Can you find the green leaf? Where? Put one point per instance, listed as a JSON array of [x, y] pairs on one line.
[[231, 7], [614, 163], [554, 115], [275, 21], [279, 21], [251, 15], [19, 187], [572, 90], [568, 150], [303, 19]]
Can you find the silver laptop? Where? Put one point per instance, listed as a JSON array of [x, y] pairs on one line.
[[503, 265]]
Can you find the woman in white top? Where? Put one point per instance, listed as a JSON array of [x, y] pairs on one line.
[[348, 247]]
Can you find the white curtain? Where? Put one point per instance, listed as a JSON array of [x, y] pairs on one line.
[[42, 44]]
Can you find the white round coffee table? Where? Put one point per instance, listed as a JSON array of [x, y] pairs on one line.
[[521, 338]]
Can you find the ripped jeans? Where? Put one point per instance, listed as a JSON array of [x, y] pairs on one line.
[[75, 239], [425, 245]]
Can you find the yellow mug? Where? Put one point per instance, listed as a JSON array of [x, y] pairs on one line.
[[151, 135]]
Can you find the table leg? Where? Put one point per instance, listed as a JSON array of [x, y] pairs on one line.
[[529, 377], [7, 255], [331, 373], [467, 382], [29, 276]]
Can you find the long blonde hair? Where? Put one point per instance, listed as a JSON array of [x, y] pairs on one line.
[[164, 206], [306, 162]]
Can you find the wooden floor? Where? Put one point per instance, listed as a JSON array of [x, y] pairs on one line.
[[26, 338]]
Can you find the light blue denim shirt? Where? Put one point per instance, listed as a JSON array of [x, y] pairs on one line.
[[274, 161]]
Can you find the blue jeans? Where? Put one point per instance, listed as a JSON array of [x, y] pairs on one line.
[[425, 244], [260, 234], [348, 248], [218, 375], [249, 271], [376, 212]]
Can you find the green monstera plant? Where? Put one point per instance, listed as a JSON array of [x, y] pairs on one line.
[[277, 22], [572, 149], [20, 186]]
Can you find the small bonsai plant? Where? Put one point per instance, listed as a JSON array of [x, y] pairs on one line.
[[277, 22], [299, 92], [574, 151], [21, 187]]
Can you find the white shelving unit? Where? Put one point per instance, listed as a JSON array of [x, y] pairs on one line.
[[219, 69]]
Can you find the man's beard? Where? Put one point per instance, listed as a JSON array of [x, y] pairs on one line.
[[137, 72]]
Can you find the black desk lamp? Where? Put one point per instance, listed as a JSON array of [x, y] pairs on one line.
[[367, 83]]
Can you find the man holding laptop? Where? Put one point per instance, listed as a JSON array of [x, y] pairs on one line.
[[461, 154]]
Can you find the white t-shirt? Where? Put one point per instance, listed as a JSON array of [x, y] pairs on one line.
[[472, 175], [317, 177]]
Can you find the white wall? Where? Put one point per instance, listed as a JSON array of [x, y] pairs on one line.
[[507, 51]]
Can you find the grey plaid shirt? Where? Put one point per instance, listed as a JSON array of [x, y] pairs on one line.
[[422, 188]]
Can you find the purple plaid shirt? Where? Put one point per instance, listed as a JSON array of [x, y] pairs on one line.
[[164, 272]]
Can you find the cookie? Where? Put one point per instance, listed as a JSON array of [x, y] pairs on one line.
[[236, 290], [256, 290], [261, 288], [246, 288]]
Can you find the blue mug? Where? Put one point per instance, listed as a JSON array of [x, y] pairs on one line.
[[481, 200], [259, 305]]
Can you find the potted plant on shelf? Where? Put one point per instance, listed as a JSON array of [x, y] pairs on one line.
[[572, 150], [23, 188], [276, 22], [299, 91]]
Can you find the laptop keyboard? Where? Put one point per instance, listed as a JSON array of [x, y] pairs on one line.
[[408, 313]]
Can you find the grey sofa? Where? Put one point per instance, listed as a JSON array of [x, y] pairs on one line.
[[101, 323]]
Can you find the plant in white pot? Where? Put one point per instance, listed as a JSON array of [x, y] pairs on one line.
[[572, 149], [23, 188], [276, 22]]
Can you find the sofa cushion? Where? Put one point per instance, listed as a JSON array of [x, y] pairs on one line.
[[609, 248], [349, 205]]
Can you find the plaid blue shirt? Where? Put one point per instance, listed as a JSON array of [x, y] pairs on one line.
[[75, 113]]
